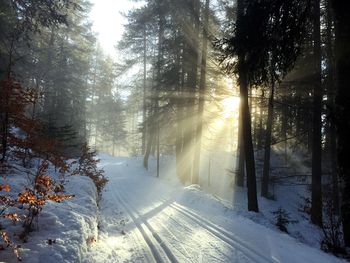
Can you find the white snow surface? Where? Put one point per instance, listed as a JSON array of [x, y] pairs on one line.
[[70, 224], [148, 219]]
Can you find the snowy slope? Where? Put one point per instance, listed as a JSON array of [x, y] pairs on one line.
[[289, 193], [145, 219], [70, 225]]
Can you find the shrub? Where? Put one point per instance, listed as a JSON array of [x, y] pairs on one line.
[[8, 243], [34, 198], [29, 203], [282, 219], [305, 207], [87, 166], [332, 240], [5, 203]]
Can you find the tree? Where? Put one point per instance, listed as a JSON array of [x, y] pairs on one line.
[[138, 41], [342, 109], [51, 54], [172, 72], [266, 168], [265, 53], [12, 112], [331, 89], [202, 82], [105, 109], [19, 21], [316, 193], [246, 121], [153, 125]]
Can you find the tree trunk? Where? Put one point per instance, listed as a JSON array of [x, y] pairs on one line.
[[144, 128], [284, 128], [316, 188], [154, 123], [241, 156], [148, 149], [260, 129], [180, 120], [160, 63], [178, 142], [342, 109], [6, 113], [239, 179], [246, 123], [248, 144], [5, 134], [196, 163], [158, 149], [330, 100], [266, 168], [191, 88]]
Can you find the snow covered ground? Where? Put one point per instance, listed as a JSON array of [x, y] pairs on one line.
[[145, 219], [66, 229]]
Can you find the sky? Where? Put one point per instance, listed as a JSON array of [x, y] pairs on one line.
[[108, 21]]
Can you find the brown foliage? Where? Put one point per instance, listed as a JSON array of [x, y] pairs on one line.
[[12, 216], [15, 103], [12, 105], [35, 198], [87, 166], [31, 201], [8, 243], [5, 187], [22, 136]]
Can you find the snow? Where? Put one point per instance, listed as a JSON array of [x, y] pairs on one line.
[[142, 218], [146, 219], [68, 226]]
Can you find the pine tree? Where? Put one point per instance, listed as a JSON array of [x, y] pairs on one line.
[[342, 110]]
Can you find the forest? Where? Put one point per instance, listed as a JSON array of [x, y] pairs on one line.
[[247, 101]]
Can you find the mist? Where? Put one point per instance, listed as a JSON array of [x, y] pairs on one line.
[[240, 104]]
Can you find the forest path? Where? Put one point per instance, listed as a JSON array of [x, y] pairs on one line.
[[146, 219]]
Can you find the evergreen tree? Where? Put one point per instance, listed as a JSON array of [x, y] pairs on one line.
[[342, 109]]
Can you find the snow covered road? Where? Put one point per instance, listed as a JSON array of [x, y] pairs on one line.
[[145, 219]]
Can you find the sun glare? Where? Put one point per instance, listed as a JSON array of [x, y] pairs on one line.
[[230, 106], [108, 21]]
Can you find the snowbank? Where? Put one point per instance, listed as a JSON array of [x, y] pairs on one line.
[[66, 229]]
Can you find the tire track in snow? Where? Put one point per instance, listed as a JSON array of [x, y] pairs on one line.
[[193, 246], [223, 235], [169, 235], [181, 249], [139, 222], [209, 227], [183, 222], [137, 239]]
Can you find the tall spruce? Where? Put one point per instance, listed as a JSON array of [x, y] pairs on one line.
[[342, 110], [202, 84], [316, 191]]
